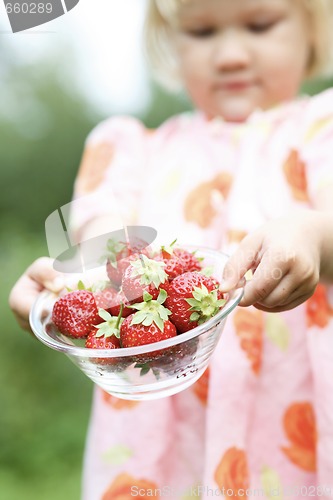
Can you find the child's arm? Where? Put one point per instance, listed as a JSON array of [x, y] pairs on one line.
[[289, 256]]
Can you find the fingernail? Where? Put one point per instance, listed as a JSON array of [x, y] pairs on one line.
[[225, 286], [241, 283], [56, 285], [248, 275]]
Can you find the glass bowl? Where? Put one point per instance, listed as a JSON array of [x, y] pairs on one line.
[[145, 372]]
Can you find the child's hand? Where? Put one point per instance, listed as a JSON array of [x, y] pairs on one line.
[[285, 256], [39, 276]]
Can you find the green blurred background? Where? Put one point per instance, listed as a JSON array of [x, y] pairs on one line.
[[44, 399]]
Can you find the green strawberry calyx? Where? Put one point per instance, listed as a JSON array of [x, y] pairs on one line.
[[204, 304], [169, 249], [145, 368], [149, 270], [113, 249], [151, 311], [80, 286], [111, 324]]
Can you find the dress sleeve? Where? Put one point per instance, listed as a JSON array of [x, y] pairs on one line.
[[108, 180], [316, 149]]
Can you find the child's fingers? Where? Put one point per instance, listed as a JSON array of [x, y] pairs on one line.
[[244, 258], [277, 282], [21, 299], [270, 283], [269, 293], [283, 296], [287, 293], [41, 271], [23, 320], [38, 276], [286, 307]]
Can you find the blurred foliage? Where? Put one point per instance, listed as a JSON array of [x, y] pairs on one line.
[[43, 137], [163, 106], [45, 400], [313, 87]]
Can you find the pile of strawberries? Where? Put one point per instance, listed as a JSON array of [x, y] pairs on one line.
[[148, 297]]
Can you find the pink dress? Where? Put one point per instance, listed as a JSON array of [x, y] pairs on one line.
[[259, 422]]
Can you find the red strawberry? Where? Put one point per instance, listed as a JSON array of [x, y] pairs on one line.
[[132, 334], [96, 340], [76, 313], [178, 261], [193, 298], [116, 269], [150, 324], [173, 266], [105, 336], [104, 297], [143, 274], [190, 261], [110, 299], [119, 255]]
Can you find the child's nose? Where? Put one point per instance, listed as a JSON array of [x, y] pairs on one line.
[[231, 51]]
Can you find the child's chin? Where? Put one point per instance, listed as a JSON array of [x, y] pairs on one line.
[[235, 111], [228, 118]]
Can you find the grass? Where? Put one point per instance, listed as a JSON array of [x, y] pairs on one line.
[[45, 399]]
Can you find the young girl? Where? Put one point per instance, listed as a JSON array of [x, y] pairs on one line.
[[250, 173]]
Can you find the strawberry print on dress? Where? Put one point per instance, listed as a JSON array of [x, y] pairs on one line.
[[300, 428], [295, 172], [125, 487], [318, 309], [232, 474]]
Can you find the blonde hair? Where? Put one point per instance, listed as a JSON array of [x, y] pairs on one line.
[[161, 53]]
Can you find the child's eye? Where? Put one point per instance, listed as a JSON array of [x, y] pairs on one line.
[[260, 27], [201, 32]]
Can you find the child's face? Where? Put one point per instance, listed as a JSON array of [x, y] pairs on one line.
[[240, 55]]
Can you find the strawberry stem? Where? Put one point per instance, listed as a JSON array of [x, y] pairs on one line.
[[110, 326], [168, 249], [120, 315]]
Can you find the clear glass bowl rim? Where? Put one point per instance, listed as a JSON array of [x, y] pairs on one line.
[[37, 325]]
